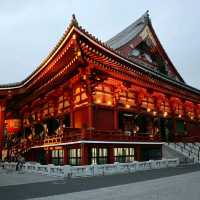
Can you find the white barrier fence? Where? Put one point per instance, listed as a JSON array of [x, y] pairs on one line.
[[93, 170]]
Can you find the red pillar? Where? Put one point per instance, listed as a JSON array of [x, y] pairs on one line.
[[48, 156], [65, 155], [138, 155], [115, 118], [2, 118], [84, 154], [111, 154], [90, 112]]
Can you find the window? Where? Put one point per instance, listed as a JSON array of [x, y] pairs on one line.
[[74, 156], [58, 157], [79, 95], [135, 52], [124, 155], [180, 126], [99, 156], [104, 95]]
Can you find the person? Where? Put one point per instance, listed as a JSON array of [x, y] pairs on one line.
[[20, 162], [12, 157], [2, 164]]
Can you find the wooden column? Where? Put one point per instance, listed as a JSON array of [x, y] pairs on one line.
[[2, 118], [71, 101], [138, 155], [111, 154], [84, 154], [90, 113], [89, 91], [116, 126], [173, 131], [48, 156], [66, 159], [175, 128]]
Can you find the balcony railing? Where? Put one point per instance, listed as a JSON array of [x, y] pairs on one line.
[[76, 134]]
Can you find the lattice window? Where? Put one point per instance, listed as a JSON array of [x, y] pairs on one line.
[[124, 155], [79, 95], [57, 157], [127, 99], [104, 95], [99, 155], [74, 156]]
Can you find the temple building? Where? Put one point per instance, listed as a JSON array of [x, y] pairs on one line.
[[93, 102]]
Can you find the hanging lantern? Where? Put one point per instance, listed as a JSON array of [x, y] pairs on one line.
[[165, 114], [13, 126]]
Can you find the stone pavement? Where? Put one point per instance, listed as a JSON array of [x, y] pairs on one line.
[[181, 187], [161, 184], [10, 177]]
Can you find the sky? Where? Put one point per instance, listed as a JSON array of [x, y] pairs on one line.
[[30, 29]]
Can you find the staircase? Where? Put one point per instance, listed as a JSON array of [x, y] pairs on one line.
[[187, 152]]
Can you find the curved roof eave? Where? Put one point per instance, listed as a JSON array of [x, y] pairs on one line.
[[109, 50], [75, 27], [67, 33]]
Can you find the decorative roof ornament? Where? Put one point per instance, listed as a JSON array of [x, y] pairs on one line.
[[74, 20], [147, 17]]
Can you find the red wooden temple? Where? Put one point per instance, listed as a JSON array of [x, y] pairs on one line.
[[93, 102]]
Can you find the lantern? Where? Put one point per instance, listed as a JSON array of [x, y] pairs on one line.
[[13, 126]]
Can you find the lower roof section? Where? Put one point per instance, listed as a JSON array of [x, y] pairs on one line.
[[94, 142]]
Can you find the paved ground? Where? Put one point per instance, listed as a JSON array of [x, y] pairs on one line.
[[11, 178], [164, 184], [181, 187]]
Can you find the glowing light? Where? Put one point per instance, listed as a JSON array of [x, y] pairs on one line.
[[109, 102], [165, 114], [154, 113], [192, 117], [84, 77], [148, 109], [179, 115], [128, 106], [98, 100]]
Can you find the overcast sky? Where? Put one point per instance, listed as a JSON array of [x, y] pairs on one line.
[[29, 29]]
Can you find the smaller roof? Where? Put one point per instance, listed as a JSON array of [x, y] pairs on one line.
[[129, 33]]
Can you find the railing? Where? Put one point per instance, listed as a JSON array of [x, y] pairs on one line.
[[190, 150], [186, 138], [93, 170], [76, 134], [110, 135]]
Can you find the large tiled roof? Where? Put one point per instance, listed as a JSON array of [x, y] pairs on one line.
[[129, 33], [143, 20]]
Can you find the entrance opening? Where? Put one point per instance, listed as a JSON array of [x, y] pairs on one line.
[[66, 120], [126, 122], [166, 129]]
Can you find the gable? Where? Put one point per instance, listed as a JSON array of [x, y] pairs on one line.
[[139, 43]]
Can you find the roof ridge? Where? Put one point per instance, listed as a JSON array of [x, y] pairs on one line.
[[132, 30]]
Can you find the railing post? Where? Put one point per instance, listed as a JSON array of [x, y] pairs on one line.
[[67, 171]]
